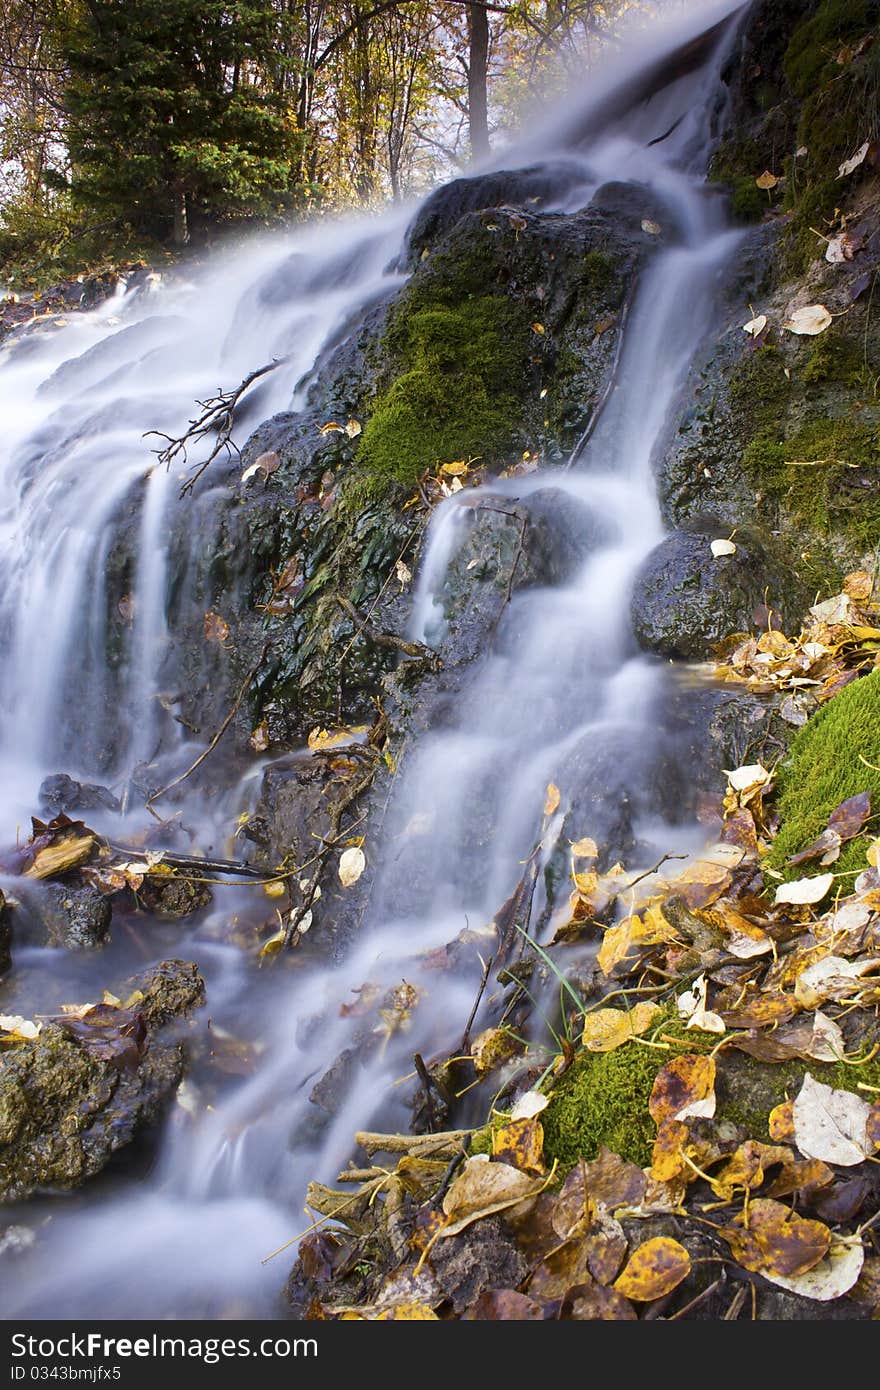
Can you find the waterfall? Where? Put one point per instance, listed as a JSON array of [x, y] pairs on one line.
[[561, 692]]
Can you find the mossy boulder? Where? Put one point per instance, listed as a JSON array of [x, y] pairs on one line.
[[686, 599], [65, 1109], [833, 757]]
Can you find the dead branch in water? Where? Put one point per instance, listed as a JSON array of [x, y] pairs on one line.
[[217, 418]]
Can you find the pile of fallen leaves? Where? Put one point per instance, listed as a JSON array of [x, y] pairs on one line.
[[839, 641], [789, 973]]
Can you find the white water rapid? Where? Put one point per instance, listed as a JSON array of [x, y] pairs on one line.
[[561, 686]]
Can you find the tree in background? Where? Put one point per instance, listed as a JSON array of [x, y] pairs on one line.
[[175, 110], [165, 118]]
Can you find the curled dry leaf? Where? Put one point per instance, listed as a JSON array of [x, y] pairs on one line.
[[833, 977], [834, 1275], [683, 1087], [850, 165], [840, 249], [654, 1270], [830, 1124], [651, 227], [14, 1028], [755, 327], [804, 891], [529, 1105], [809, 321], [748, 780], [585, 849], [351, 865], [482, 1188], [607, 1029], [770, 1239], [767, 180], [692, 1006]]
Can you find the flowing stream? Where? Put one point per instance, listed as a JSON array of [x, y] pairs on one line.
[[186, 1234]]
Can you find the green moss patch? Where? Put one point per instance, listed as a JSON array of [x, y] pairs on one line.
[[815, 44], [825, 767], [456, 393], [827, 475]]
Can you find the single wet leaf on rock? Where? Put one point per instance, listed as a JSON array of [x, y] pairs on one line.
[[551, 801], [404, 574], [859, 585], [607, 1029], [770, 1239], [60, 854], [654, 1270], [804, 891], [831, 1124], [766, 180], [809, 321], [722, 547], [521, 1143], [683, 1087], [850, 165], [266, 464], [482, 1188], [651, 227], [351, 865], [755, 327], [331, 427], [353, 428], [585, 849], [216, 628], [259, 739], [834, 1275], [840, 249]]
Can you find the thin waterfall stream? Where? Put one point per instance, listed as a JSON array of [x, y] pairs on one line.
[[560, 691]]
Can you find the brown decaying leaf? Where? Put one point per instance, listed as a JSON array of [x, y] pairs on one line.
[[216, 628], [504, 1305], [654, 1270], [685, 1086], [770, 1239], [614, 1181], [780, 1123], [590, 1302], [481, 1188]]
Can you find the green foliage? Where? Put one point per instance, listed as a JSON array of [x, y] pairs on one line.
[[454, 393], [603, 1099], [825, 767], [163, 114]]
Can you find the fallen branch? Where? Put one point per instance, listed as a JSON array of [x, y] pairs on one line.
[[191, 861], [447, 1141], [217, 417], [217, 736]]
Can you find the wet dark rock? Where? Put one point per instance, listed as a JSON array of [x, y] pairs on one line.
[[64, 1110], [484, 1257], [510, 543], [63, 794], [170, 897], [685, 600], [543, 185], [71, 915], [76, 917]]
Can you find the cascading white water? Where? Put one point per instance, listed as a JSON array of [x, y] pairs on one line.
[[562, 675]]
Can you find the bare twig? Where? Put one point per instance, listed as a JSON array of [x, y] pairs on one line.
[[218, 418], [218, 735], [466, 1035]]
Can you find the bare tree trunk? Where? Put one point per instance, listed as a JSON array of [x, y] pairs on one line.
[[181, 220], [478, 80]]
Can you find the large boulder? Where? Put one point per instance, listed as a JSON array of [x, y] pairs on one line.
[[85, 1087], [686, 599]]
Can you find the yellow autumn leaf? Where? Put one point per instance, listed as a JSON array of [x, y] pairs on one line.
[[552, 799], [607, 1029]]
